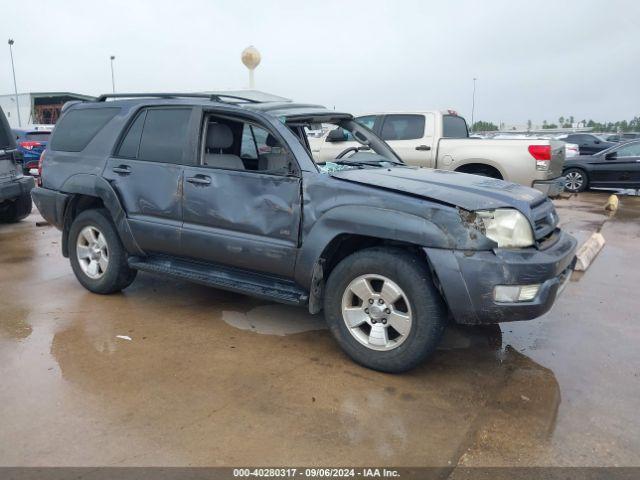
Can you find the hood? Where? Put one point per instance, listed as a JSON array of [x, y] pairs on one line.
[[470, 192]]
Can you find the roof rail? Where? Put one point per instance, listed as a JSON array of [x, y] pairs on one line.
[[214, 97]]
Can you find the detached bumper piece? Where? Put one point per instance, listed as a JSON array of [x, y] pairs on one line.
[[503, 285]]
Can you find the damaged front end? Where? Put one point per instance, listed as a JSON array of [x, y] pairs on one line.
[[519, 279]]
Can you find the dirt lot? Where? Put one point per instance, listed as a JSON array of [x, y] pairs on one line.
[[171, 373]]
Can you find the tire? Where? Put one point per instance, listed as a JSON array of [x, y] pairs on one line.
[[16, 210], [576, 180], [420, 300], [109, 276]]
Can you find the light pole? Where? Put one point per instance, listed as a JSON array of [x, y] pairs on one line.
[[113, 80], [473, 101], [15, 86]]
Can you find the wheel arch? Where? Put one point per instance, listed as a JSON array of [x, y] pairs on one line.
[[90, 191], [481, 164], [336, 235]]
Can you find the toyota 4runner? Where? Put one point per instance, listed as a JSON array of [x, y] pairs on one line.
[[223, 191]]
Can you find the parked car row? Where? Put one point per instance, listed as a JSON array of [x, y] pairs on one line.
[[620, 137]]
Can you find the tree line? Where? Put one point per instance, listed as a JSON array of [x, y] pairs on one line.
[[632, 125]]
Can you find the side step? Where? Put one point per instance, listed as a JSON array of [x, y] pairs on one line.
[[225, 278]]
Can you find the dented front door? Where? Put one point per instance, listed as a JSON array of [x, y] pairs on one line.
[[243, 219]]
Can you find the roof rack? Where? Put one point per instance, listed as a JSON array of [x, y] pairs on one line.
[[214, 97]]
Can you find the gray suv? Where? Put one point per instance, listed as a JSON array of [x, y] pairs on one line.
[[15, 200], [223, 191]]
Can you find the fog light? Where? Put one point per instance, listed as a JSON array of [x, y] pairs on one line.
[[515, 293]]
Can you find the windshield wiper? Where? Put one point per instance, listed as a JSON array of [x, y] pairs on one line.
[[371, 163]]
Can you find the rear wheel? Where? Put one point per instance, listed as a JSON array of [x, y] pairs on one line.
[[15, 210], [97, 256], [576, 180], [383, 309]]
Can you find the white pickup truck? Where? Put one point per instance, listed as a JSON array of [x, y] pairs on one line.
[[440, 139]]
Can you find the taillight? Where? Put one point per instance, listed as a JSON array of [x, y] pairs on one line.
[[29, 145], [39, 179], [542, 154]]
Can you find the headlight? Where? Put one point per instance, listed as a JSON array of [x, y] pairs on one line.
[[507, 227]]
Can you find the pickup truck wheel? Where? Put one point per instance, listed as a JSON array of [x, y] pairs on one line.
[[384, 310], [576, 180], [97, 256], [16, 210]]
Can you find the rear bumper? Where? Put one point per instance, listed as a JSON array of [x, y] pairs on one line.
[[467, 279], [551, 188], [16, 188], [51, 205]]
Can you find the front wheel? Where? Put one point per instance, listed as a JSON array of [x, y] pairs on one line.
[[97, 255], [384, 310], [575, 180]]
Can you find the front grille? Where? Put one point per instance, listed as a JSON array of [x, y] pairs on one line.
[[545, 219]]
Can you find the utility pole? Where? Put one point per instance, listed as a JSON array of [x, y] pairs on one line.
[[15, 86], [473, 102], [113, 80]]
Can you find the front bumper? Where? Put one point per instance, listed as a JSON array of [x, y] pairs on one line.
[[551, 188], [467, 279], [16, 188]]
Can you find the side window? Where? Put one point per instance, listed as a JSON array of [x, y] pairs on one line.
[[248, 148], [403, 127], [165, 135], [77, 128], [632, 150], [131, 142], [239, 145], [368, 121]]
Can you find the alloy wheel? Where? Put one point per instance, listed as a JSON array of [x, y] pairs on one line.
[[376, 312], [574, 181], [92, 252]]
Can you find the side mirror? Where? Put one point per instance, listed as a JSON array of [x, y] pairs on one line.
[[596, 142], [337, 135], [611, 155]]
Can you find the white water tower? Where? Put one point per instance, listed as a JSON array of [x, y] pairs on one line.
[[251, 59]]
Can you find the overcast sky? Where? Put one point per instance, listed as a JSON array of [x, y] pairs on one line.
[[533, 59]]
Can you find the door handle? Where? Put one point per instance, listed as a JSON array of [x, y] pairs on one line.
[[200, 180], [122, 169], [423, 148]]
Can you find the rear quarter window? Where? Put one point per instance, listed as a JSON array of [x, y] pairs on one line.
[[77, 128], [454, 127]]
